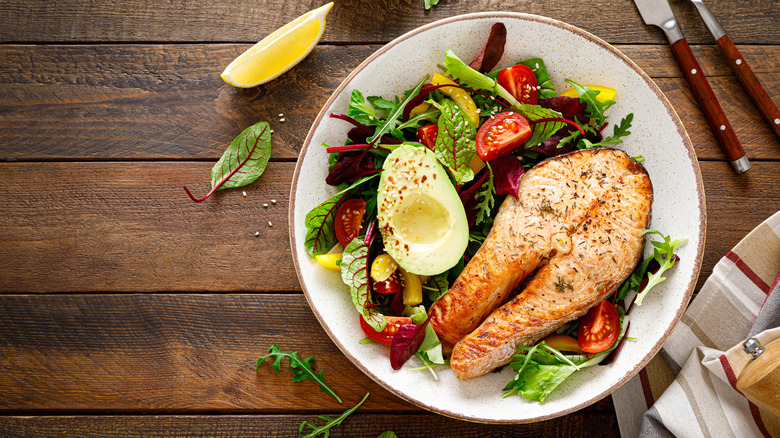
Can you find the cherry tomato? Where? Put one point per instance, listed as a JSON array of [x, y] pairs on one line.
[[520, 81], [389, 286], [599, 328], [500, 134], [427, 135], [385, 336], [349, 217]]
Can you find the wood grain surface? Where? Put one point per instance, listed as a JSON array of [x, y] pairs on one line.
[[154, 102], [351, 21], [581, 424]]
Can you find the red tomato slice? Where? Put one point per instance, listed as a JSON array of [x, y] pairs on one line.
[[385, 336], [599, 328], [348, 219], [389, 286], [520, 81], [500, 134], [427, 135]]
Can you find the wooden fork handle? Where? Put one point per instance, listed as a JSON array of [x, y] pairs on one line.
[[709, 104], [750, 83]]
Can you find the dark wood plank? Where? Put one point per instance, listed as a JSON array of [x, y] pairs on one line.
[[103, 227], [351, 21], [166, 353], [168, 102], [356, 425]]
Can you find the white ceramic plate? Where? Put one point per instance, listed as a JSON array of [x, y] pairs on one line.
[[657, 134]]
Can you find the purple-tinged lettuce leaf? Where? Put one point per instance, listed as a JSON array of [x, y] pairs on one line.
[[570, 107], [320, 232], [406, 341], [455, 146], [354, 273], [350, 166], [493, 50], [507, 173]]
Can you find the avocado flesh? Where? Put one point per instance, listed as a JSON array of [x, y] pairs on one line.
[[421, 217]]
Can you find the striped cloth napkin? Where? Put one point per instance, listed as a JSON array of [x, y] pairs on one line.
[[690, 389]]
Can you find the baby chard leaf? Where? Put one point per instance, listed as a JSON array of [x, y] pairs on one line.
[[302, 369], [455, 146], [354, 273], [243, 161], [320, 231]]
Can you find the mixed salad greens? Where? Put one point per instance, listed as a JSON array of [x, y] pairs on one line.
[[485, 127]]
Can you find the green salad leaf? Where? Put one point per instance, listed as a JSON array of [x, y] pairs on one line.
[[430, 3], [302, 369], [320, 231], [594, 106], [542, 76], [663, 253], [437, 286], [471, 78], [354, 273], [396, 112], [544, 122], [620, 130], [455, 146], [359, 110], [330, 422], [485, 198]]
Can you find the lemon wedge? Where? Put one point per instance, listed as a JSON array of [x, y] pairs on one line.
[[279, 51]]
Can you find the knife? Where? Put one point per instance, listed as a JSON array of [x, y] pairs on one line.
[[741, 69], [659, 13]]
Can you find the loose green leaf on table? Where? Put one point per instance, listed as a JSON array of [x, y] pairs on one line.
[[324, 430], [243, 162], [302, 369], [388, 434]]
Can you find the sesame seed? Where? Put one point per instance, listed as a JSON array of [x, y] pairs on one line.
[[281, 115], [257, 233], [282, 120], [265, 205], [270, 224], [244, 192], [272, 131], [273, 201]]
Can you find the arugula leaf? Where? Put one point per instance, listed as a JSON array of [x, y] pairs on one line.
[[430, 3], [389, 433], [360, 111], [663, 253], [320, 231], [354, 273], [243, 161], [486, 200], [324, 430], [392, 118], [595, 107], [619, 131], [455, 146], [457, 69], [302, 369]]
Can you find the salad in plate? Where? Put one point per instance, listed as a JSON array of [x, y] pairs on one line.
[[420, 177]]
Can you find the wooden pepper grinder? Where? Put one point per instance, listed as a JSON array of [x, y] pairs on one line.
[[759, 381]]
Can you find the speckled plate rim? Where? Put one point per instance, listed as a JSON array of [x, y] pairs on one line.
[[680, 130]]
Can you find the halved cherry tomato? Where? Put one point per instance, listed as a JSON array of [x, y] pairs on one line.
[[389, 286], [599, 328], [348, 219], [500, 134], [385, 336], [520, 81], [427, 135]]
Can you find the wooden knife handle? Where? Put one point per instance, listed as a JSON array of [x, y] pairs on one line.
[[750, 83], [706, 98]]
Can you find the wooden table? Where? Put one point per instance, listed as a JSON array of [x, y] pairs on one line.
[[129, 310]]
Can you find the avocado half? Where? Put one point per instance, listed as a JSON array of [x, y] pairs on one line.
[[421, 218]]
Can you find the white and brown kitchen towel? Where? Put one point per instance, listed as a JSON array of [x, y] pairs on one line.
[[690, 389]]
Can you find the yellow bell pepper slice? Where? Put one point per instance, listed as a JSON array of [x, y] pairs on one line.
[[421, 108], [460, 97], [605, 93], [329, 261]]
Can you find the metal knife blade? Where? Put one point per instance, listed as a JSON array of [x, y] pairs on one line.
[[709, 20], [659, 13]]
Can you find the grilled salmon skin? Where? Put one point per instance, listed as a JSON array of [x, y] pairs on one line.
[[555, 198], [591, 237]]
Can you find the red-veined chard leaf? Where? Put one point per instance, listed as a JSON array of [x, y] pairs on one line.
[[354, 273], [437, 286], [320, 232], [544, 122], [243, 161], [455, 146]]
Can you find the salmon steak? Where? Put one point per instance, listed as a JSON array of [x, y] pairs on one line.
[[578, 224]]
